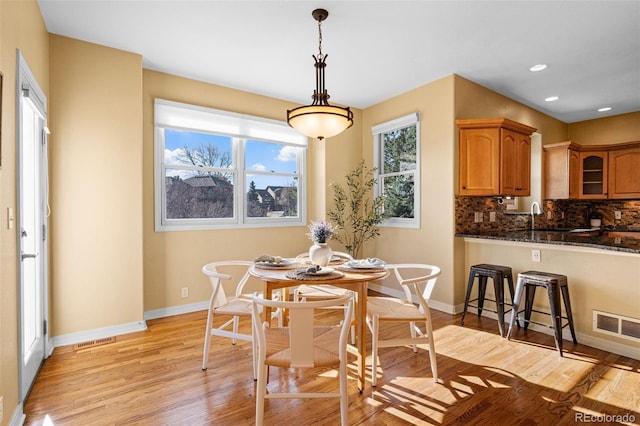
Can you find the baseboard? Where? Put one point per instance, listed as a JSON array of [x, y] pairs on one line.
[[18, 417], [48, 347], [585, 339], [98, 333], [84, 336], [101, 333], [176, 310], [433, 304]]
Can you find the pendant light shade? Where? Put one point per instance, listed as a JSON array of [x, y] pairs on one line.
[[320, 119]]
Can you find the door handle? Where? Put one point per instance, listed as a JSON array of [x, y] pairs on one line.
[[28, 256]]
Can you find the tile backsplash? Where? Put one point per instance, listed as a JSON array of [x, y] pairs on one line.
[[555, 214]]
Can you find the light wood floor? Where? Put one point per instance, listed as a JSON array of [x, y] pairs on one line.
[[154, 378]]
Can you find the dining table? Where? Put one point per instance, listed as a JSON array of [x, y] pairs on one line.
[[355, 279]]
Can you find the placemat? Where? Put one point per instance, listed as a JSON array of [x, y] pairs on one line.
[[363, 270], [332, 262], [300, 275]]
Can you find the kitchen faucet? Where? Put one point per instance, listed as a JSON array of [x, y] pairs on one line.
[[533, 217]]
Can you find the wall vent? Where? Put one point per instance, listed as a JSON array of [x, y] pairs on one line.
[[93, 343], [616, 325]]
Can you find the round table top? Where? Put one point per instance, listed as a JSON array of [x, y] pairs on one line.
[[349, 275]]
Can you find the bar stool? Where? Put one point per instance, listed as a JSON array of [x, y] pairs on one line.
[[498, 274], [531, 280]]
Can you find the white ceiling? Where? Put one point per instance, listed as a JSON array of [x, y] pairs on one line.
[[378, 49]]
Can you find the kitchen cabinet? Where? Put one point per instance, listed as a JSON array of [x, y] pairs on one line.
[[593, 174], [624, 171], [494, 157], [573, 171], [561, 169]]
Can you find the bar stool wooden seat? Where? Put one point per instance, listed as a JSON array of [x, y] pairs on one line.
[[555, 285], [498, 274]]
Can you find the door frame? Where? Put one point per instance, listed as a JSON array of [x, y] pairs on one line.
[[25, 78]]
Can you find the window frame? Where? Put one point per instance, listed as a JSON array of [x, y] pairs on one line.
[[378, 132], [240, 128]]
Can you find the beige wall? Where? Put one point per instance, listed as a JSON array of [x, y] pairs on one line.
[[432, 243], [604, 131], [440, 103], [96, 186], [173, 260], [475, 101], [21, 27]]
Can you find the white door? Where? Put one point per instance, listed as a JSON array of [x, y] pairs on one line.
[[32, 230]]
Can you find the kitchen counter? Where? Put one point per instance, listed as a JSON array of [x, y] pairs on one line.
[[592, 239], [603, 275]]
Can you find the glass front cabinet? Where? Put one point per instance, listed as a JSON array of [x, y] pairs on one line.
[[593, 174]]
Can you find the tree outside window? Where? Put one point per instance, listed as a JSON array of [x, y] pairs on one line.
[[207, 179], [397, 151]]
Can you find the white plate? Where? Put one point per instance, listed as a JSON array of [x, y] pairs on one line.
[[358, 265], [283, 263], [323, 271]]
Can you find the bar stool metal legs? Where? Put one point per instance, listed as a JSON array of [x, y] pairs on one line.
[[498, 274], [556, 286]]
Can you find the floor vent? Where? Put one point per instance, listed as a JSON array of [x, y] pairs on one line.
[[616, 325], [94, 343]]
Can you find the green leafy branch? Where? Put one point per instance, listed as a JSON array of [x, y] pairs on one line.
[[356, 213]]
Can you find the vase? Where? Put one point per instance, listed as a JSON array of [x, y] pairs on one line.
[[320, 254]]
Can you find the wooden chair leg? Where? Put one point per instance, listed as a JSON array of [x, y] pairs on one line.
[[261, 390], [375, 330], [432, 350], [207, 342]]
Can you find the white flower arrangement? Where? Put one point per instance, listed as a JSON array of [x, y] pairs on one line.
[[321, 231]]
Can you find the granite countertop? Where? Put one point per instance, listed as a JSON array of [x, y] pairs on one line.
[[595, 239]]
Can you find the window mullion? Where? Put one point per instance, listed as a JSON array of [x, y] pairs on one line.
[[239, 163]]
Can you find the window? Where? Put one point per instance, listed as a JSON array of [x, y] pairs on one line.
[[396, 155], [216, 169]]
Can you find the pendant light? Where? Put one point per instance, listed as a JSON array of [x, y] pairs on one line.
[[320, 119]]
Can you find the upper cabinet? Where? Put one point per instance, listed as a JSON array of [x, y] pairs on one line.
[[624, 171], [591, 172], [494, 157], [561, 170]]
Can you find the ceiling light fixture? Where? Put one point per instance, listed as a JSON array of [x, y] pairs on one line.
[[538, 67], [605, 109], [320, 119], [551, 98]]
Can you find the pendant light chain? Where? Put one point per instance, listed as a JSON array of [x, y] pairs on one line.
[[320, 40], [320, 119]]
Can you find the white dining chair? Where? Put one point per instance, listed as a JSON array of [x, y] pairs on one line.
[[229, 300], [304, 343], [308, 292], [417, 281]]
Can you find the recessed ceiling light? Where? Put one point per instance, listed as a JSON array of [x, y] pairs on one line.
[[551, 98], [604, 109], [538, 67]]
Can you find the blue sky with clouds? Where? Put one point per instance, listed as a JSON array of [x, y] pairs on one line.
[[260, 156]]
